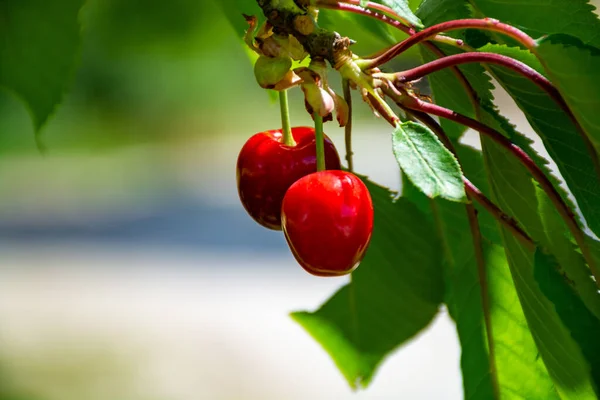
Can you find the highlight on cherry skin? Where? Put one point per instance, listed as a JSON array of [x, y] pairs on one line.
[[327, 219], [266, 168]]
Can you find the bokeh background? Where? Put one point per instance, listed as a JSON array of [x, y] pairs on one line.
[[130, 270]]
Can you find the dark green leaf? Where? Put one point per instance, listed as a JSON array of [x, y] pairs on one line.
[[539, 18], [39, 48], [568, 255], [427, 163], [583, 325], [394, 294], [347, 23], [560, 137], [574, 71]]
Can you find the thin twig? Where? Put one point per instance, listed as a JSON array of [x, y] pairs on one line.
[[348, 127]]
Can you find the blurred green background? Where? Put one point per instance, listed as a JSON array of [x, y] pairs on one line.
[[130, 270]]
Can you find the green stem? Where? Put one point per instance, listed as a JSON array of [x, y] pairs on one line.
[[348, 127], [319, 138], [288, 139]]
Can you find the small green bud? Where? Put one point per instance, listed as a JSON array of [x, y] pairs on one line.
[[270, 71]]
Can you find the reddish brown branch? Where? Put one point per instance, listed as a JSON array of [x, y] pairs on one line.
[[497, 213], [431, 32], [490, 58], [462, 79]]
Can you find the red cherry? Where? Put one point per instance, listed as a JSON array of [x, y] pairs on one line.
[[327, 219], [266, 168]]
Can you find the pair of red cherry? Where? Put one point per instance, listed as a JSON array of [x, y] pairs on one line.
[[326, 216]]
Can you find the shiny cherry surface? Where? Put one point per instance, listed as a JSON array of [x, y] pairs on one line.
[[266, 168], [327, 219]]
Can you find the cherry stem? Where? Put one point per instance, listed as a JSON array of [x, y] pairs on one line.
[[563, 209], [320, 141], [490, 58], [288, 138], [431, 32], [348, 127]]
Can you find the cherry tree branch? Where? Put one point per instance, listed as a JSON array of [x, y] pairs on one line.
[[348, 127], [431, 32], [491, 58]]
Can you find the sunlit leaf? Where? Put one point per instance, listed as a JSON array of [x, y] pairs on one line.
[[583, 325], [514, 191], [427, 163], [518, 366]]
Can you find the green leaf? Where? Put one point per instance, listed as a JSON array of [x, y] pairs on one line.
[[339, 21], [427, 163], [568, 255], [402, 8], [519, 368], [514, 192], [583, 325], [539, 18], [394, 294], [573, 68], [38, 51], [560, 137]]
